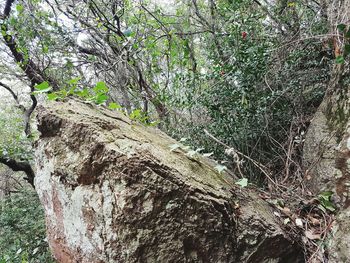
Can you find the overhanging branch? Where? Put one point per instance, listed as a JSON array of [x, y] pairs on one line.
[[14, 96], [20, 166], [32, 71]]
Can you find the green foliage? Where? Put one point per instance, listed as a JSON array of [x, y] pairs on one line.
[[242, 182], [249, 90], [325, 201], [97, 95], [220, 168], [42, 88], [13, 142], [114, 106], [100, 93], [141, 117], [246, 73], [22, 230], [339, 60], [341, 27]]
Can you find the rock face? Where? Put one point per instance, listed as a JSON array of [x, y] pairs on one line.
[[114, 192]]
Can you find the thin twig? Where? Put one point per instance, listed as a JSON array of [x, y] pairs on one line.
[[258, 165]]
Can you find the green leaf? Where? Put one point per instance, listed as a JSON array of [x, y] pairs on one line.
[[114, 106], [74, 81], [83, 93], [45, 49], [135, 114], [41, 91], [153, 123], [341, 27], [347, 34], [346, 49], [325, 200], [52, 96], [220, 168], [328, 205], [326, 195], [13, 21], [42, 86], [72, 91], [322, 208], [101, 98], [186, 48], [35, 250], [242, 182], [339, 60], [19, 8], [100, 87]]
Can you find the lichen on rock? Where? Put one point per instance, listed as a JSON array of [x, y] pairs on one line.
[[114, 192]]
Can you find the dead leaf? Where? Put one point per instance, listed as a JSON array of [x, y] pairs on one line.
[[310, 202], [310, 235], [314, 221], [286, 210], [264, 196]]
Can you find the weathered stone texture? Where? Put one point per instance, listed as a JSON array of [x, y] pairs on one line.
[[114, 192]]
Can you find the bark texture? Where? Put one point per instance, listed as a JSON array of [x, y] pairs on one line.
[[327, 160], [327, 144], [114, 192]]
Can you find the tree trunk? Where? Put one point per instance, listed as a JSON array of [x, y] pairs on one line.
[[114, 192], [327, 144]]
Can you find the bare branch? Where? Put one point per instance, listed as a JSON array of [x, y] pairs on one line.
[[261, 167], [7, 8], [14, 96], [18, 166], [28, 113]]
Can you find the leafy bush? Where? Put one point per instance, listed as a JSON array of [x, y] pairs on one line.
[[22, 229], [13, 142], [257, 92]]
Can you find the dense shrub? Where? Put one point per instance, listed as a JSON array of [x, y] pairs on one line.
[[22, 229]]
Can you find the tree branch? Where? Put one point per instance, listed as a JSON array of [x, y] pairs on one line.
[[36, 76], [18, 166], [14, 96], [28, 113], [33, 72], [7, 8]]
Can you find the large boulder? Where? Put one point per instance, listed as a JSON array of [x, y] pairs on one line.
[[113, 191]]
